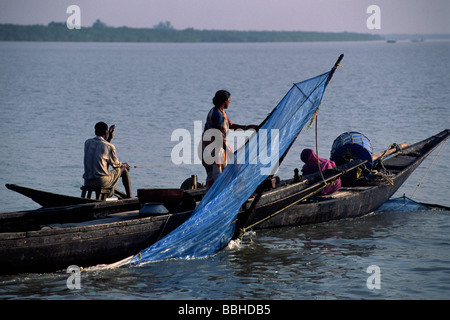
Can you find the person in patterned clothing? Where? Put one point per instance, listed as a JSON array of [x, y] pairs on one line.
[[216, 158]]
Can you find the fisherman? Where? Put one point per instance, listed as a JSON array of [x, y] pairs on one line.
[[217, 119], [309, 157], [99, 154]]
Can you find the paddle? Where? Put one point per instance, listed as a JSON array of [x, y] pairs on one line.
[[391, 150]]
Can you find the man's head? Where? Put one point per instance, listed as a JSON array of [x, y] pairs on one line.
[[221, 97], [101, 129]]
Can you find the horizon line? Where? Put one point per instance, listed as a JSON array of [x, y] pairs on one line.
[[235, 30]]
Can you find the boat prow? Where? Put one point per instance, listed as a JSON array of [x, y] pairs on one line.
[[48, 199]]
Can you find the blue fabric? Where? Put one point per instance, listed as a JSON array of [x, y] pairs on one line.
[[217, 118], [401, 204], [211, 225]]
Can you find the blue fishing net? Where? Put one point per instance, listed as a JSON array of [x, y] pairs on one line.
[[401, 204], [211, 225]]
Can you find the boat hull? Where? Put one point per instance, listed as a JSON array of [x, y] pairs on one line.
[[89, 234], [54, 248]]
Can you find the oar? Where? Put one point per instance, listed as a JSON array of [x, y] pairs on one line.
[[390, 151]]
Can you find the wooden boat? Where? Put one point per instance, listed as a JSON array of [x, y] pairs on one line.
[[52, 239], [49, 199]]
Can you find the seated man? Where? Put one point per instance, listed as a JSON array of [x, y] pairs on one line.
[[99, 153], [309, 157]]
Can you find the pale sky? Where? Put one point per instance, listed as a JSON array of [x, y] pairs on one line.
[[396, 16]]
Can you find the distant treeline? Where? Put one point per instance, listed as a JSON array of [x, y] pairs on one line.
[[99, 32]]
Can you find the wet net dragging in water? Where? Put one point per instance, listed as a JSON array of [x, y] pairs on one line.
[[212, 224]]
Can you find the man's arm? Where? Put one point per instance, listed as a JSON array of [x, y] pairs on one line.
[[113, 161], [111, 133], [250, 126]]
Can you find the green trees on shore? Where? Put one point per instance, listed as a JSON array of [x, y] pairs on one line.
[[164, 32]]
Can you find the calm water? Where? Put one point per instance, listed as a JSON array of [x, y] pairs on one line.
[[52, 94]]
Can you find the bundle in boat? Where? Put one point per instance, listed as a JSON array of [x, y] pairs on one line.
[[351, 146]]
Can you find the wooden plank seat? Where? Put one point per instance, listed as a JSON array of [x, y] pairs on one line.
[[100, 193]]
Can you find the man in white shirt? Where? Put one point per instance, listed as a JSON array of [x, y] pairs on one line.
[[99, 154]]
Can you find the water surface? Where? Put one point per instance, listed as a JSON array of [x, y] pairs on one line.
[[52, 94]]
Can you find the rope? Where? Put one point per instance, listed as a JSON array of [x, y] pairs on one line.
[[384, 175], [317, 153], [164, 228], [391, 146], [417, 187], [243, 230]]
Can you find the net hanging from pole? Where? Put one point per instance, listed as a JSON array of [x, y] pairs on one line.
[[212, 224]]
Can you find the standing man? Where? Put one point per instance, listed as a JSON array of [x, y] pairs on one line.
[[99, 153]]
